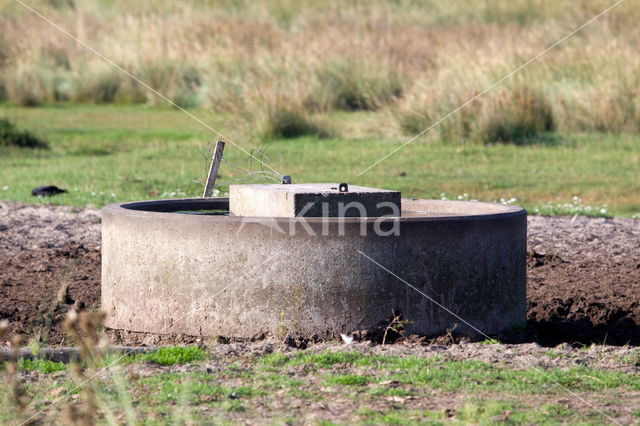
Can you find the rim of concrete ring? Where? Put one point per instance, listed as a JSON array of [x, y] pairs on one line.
[[165, 209]]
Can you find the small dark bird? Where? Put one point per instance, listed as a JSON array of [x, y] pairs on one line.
[[47, 191]]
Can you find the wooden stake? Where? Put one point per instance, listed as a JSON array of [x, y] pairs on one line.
[[213, 170]]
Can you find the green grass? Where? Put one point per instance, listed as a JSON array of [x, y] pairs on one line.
[[13, 137], [480, 412], [400, 417], [277, 382], [167, 387], [289, 123], [167, 355], [452, 376], [38, 365], [631, 359], [384, 391], [489, 412], [171, 355], [41, 365], [267, 378], [319, 360], [264, 386], [105, 154], [347, 380]]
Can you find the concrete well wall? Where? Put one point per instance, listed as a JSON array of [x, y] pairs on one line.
[[209, 275]]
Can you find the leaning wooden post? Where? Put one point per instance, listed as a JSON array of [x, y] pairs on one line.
[[213, 170]]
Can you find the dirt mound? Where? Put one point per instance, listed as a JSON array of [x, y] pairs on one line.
[[49, 262], [584, 280], [583, 275]]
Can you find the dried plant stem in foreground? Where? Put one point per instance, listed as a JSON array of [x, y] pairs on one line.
[[84, 329]]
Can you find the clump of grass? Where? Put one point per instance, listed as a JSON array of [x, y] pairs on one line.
[[10, 135], [324, 359], [3, 91], [225, 95], [287, 122], [33, 84], [105, 84], [171, 355], [428, 104], [398, 416], [41, 365], [347, 380], [517, 116], [167, 355], [27, 85], [511, 115], [351, 86], [178, 81], [101, 87], [613, 108]]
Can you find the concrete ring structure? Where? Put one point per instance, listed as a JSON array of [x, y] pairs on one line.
[[168, 272]]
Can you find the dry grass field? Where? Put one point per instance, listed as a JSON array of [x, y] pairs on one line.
[[282, 65]]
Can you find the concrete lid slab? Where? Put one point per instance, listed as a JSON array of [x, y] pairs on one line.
[[313, 188], [312, 200]]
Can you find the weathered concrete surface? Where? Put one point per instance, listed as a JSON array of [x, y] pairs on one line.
[[312, 200], [216, 275]]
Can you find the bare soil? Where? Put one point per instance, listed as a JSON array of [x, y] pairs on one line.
[[583, 276], [49, 261], [583, 280]]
